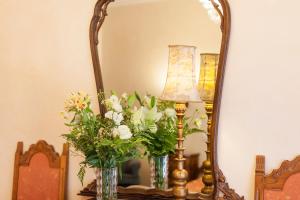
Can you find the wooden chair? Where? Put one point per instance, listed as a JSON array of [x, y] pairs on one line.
[[40, 173], [281, 184]]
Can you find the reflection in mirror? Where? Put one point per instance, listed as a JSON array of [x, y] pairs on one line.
[[133, 49]]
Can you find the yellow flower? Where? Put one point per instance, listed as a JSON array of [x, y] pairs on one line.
[[77, 101]]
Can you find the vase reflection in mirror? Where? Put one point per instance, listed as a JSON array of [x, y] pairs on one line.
[[206, 86], [181, 87], [159, 167]]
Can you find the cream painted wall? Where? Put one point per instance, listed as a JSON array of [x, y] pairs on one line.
[[44, 55], [135, 50], [260, 105]]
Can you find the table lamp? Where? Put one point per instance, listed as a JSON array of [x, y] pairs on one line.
[[181, 87], [206, 86]]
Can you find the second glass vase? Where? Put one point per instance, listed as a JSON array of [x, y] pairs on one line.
[[159, 167]]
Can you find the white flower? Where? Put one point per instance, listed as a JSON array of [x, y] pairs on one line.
[[170, 112], [116, 117], [124, 132], [109, 114], [117, 107], [200, 123], [114, 99], [144, 118], [152, 114], [114, 103], [138, 116]]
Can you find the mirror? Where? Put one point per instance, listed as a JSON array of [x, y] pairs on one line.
[[132, 45], [134, 53]]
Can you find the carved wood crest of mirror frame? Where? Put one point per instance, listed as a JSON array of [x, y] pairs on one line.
[[221, 187]]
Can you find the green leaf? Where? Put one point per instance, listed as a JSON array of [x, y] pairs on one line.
[[81, 173], [138, 98], [131, 100], [153, 101], [92, 160]]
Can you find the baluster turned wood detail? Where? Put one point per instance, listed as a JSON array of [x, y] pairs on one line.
[[180, 175]]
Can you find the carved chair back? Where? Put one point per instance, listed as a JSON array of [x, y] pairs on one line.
[[282, 184], [40, 172]]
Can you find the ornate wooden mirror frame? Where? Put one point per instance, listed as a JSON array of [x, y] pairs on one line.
[[213, 175]]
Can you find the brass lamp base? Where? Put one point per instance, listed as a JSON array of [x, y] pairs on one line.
[[180, 175], [208, 178]]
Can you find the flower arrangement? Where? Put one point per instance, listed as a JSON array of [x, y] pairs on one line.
[[156, 122], [129, 124], [105, 141]]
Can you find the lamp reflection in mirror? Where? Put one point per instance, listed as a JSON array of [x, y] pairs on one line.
[[181, 87], [206, 86], [208, 76]]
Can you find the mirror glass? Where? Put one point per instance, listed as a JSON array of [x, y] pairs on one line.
[[134, 51]]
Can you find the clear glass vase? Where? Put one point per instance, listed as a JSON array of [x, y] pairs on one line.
[[107, 180], [159, 169]]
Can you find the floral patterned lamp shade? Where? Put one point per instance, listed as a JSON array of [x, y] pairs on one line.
[[208, 76], [181, 83]]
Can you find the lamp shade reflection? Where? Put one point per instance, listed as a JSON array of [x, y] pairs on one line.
[[208, 76], [181, 83]]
